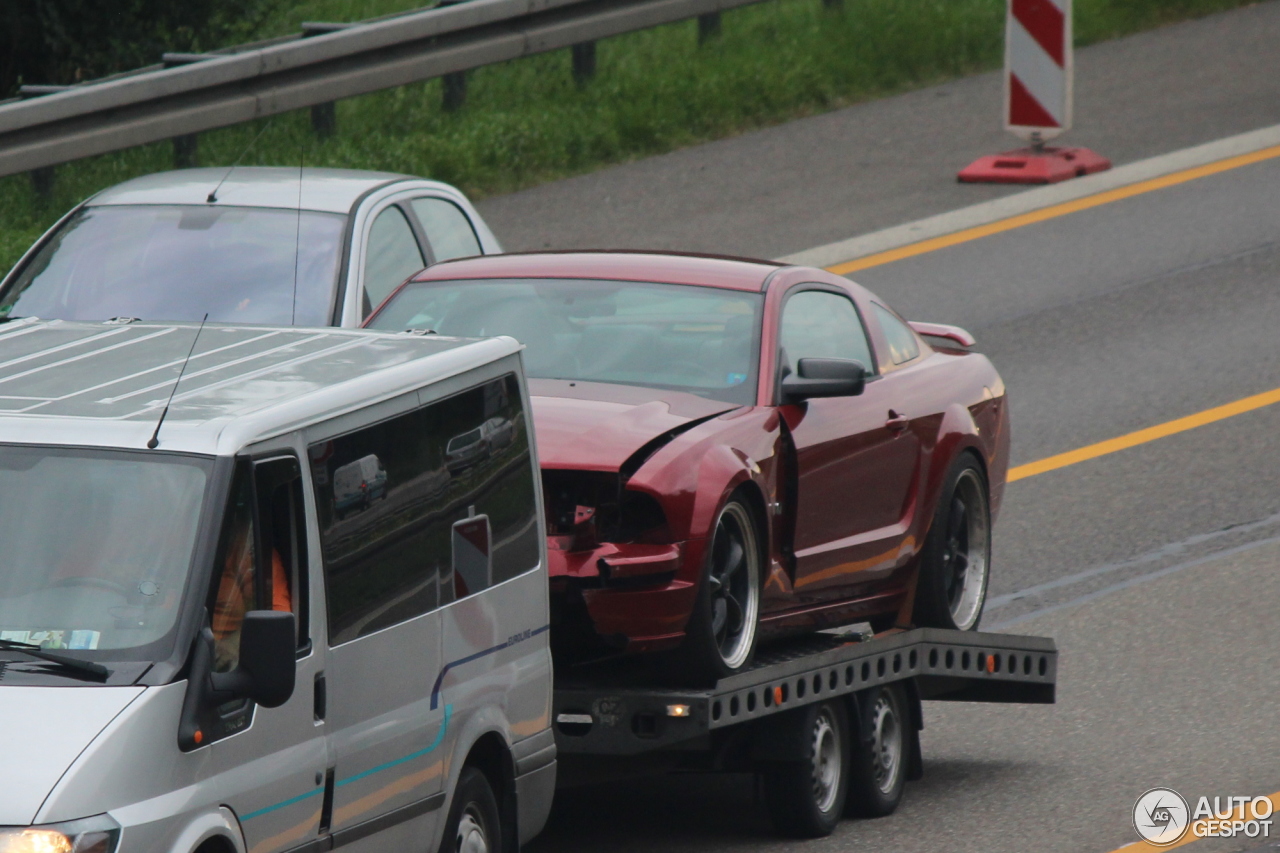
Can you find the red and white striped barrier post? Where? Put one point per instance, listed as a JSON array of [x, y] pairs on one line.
[[1038, 77]]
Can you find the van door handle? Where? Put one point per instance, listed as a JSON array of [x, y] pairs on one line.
[[897, 422], [320, 699]]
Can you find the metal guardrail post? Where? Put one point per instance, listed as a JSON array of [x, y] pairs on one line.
[[324, 117], [455, 90], [186, 151], [584, 61], [708, 27], [42, 182]]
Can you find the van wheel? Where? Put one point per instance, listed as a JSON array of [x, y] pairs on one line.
[[473, 825], [955, 561], [878, 770], [721, 635], [806, 798]]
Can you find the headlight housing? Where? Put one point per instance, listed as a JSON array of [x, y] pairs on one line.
[[98, 834]]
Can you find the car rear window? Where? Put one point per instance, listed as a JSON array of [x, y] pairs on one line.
[[177, 262]]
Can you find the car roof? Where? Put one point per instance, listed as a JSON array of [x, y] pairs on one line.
[[663, 267], [327, 190], [105, 384]]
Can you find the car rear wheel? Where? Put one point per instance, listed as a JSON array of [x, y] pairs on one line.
[[473, 825], [955, 562], [878, 768], [806, 798], [721, 635]]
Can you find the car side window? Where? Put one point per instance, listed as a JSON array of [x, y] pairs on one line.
[[391, 256], [447, 228], [822, 324], [903, 346], [425, 508]]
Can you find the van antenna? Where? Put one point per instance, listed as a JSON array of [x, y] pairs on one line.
[[154, 441], [213, 196], [297, 238]]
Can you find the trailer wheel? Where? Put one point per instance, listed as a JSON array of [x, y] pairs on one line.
[[474, 826], [806, 798], [881, 752], [952, 586]]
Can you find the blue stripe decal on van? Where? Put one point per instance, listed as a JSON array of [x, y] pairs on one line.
[[288, 802], [511, 641], [444, 724], [448, 712]]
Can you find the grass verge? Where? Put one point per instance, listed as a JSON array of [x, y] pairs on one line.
[[526, 121]]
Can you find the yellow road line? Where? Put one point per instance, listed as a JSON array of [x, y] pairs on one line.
[[1145, 847], [1054, 211], [1142, 436]]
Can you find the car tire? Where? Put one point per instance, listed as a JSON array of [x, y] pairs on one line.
[[806, 799], [955, 562], [881, 752], [474, 825], [720, 637]]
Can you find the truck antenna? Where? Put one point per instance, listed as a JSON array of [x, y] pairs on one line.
[[154, 441]]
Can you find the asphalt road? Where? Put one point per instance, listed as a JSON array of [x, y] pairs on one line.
[[1154, 568], [805, 183]]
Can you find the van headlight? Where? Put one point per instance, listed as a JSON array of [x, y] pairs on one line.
[[98, 834]]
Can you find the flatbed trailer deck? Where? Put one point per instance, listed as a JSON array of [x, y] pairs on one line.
[[763, 719]]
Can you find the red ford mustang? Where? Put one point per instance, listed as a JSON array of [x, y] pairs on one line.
[[736, 449]]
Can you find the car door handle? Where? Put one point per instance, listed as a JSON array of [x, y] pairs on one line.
[[897, 421]]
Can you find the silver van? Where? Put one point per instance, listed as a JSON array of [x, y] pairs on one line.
[[201, 651]]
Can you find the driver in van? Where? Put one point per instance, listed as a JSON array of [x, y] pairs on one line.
[[236, 593]]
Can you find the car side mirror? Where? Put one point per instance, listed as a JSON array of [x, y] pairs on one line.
[[824, 377], [267, 660]]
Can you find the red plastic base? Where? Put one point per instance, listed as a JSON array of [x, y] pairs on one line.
[[1028, 166]]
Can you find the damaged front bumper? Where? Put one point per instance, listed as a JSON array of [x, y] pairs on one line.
[[632, 593]]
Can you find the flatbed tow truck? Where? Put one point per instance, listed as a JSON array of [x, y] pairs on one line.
[[830, 721]]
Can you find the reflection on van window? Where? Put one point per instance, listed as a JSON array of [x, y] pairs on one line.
[[96, 547], [391, 497]]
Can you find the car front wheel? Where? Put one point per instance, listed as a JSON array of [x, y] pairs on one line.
[[721, 635]]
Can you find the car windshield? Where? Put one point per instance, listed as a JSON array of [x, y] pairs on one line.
[[176, 262], [95, 547], [697, 339]]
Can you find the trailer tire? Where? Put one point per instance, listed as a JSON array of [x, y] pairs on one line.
[[474, 825], [881, 754], [806, 798]]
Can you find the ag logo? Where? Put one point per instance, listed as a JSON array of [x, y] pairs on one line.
[[1161, 816]]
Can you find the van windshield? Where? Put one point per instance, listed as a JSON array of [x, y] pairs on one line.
[[177, 262], [95, 548]]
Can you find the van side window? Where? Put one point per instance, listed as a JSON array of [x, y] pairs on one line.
[[263, 524], [396, 499]]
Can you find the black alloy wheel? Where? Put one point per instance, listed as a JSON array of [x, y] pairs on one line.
[[721, 635], [955, 562]]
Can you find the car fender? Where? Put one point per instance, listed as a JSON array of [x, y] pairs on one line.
[[220, 824], [957, 433], [695, 473]]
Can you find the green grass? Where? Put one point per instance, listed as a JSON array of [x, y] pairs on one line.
[[526, 121]]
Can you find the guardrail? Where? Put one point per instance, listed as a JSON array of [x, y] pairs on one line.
[[206, 91]]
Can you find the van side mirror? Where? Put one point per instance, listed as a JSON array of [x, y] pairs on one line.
[[824, 377], [267, 660]]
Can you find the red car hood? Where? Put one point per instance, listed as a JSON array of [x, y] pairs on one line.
[[594, 426]]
